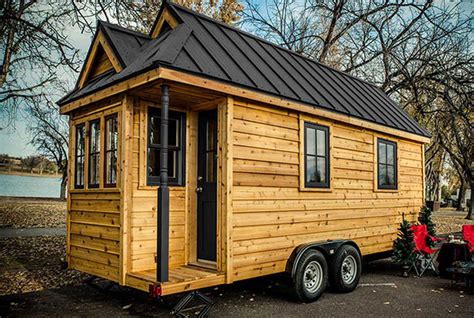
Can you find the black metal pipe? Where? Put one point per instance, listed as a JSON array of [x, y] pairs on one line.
[[163, 192]]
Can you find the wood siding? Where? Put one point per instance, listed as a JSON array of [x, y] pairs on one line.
[[94, 233], [273, 212], [143, 215]]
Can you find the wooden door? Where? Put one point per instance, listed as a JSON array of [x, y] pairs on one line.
[[207, 186]]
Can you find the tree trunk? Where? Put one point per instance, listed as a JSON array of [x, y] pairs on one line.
[[462, 195], [469, 212], [62, 194]]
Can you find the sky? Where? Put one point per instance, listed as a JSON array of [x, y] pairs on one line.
[[14, 140]]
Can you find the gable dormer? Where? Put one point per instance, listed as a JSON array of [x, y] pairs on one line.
[[100, 59], [167, 19]]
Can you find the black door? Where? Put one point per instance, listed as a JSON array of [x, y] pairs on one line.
[[207, 186]]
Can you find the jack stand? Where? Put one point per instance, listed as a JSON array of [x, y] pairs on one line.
[[180, 307]]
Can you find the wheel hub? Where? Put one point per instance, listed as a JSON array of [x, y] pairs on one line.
[[313, 276], [349, 269]]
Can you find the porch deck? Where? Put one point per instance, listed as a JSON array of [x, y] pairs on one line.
[[183, 278]]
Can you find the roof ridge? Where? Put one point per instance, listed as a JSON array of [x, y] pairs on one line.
[[123, 29], [268, 42]]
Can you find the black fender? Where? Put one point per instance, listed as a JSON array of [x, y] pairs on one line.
[[327, 248]]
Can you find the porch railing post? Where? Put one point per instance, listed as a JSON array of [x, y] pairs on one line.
[[163, 192]]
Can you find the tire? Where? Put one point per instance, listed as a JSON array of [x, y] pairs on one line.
[[311, 276], [345, 269]]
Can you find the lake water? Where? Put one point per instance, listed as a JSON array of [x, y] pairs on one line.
[[27, 186]]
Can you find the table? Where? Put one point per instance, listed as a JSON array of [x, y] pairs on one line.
[[450, 253]]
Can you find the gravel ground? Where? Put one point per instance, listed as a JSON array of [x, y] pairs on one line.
[[34, 263], [450, 221], [32, 212]]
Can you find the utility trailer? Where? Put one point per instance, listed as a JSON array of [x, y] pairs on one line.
[[201, 155]]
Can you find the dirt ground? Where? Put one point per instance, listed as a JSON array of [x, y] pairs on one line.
[[32, 212], [448, 220]]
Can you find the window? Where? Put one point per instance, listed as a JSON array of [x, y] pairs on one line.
[[387, 164], [176, 131], [79, 157], [94, 153], [111, 141], [316, 152]]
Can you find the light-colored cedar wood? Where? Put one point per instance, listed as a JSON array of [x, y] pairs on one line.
[[191, 211], [182, 278], [271, 213], [95, 59]]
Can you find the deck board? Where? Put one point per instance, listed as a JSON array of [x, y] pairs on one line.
[[183, 278]]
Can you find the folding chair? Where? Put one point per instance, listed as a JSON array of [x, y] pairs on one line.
[[424, 254], [468, 236]]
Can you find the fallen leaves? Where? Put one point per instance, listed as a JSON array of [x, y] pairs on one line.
[[32, 212]]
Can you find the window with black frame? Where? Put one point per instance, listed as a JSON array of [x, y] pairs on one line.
[[79, 157], [176, 133], [316, 152], [387, 164], [94, 154], [111, 143]]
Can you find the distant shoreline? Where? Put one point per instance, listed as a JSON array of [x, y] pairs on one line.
[[28, 174]]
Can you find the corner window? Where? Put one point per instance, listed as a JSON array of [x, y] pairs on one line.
[[79, 157], [111, 142], [176, 132], [316, 154], [386, 164], [94, 153]]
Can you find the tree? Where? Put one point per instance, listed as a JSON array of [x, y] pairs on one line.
[[35, 49], [425, 218], [31, 162], [404, 246], [49, 133]]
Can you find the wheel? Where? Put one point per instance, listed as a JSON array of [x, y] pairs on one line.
[[311, 276], [345, 269]]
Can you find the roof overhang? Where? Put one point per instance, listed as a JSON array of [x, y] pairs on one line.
[[163, 73]]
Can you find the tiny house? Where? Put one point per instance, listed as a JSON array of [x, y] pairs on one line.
[[202, 155]]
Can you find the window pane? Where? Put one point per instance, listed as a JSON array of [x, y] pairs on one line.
[[390, 175], [311, 169], [382, 175], [210, 166], [111, 133], [153, 162], [80, 171], [390, 154], [173, 132], [321, 170], [155, 130], [172, 164], [382, 152], [211, 138], [321, 142], [310, 141], [80, 141], [95, 137]]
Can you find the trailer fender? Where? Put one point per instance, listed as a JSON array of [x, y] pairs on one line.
[[327, 248]]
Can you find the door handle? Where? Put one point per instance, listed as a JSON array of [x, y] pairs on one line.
[[199, 189]]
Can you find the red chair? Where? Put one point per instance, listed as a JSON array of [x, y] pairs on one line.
[[468, 236], [424, 253]]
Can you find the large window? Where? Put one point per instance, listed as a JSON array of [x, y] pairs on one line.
[[387, 164], [79, 157], [94, 153], [176, 130], [111, 141], [316, 152]]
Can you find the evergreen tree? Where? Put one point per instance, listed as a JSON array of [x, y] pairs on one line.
[[403, 247], [425, 218]]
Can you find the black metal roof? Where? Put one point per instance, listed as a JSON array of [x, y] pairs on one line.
[[206, 47]]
